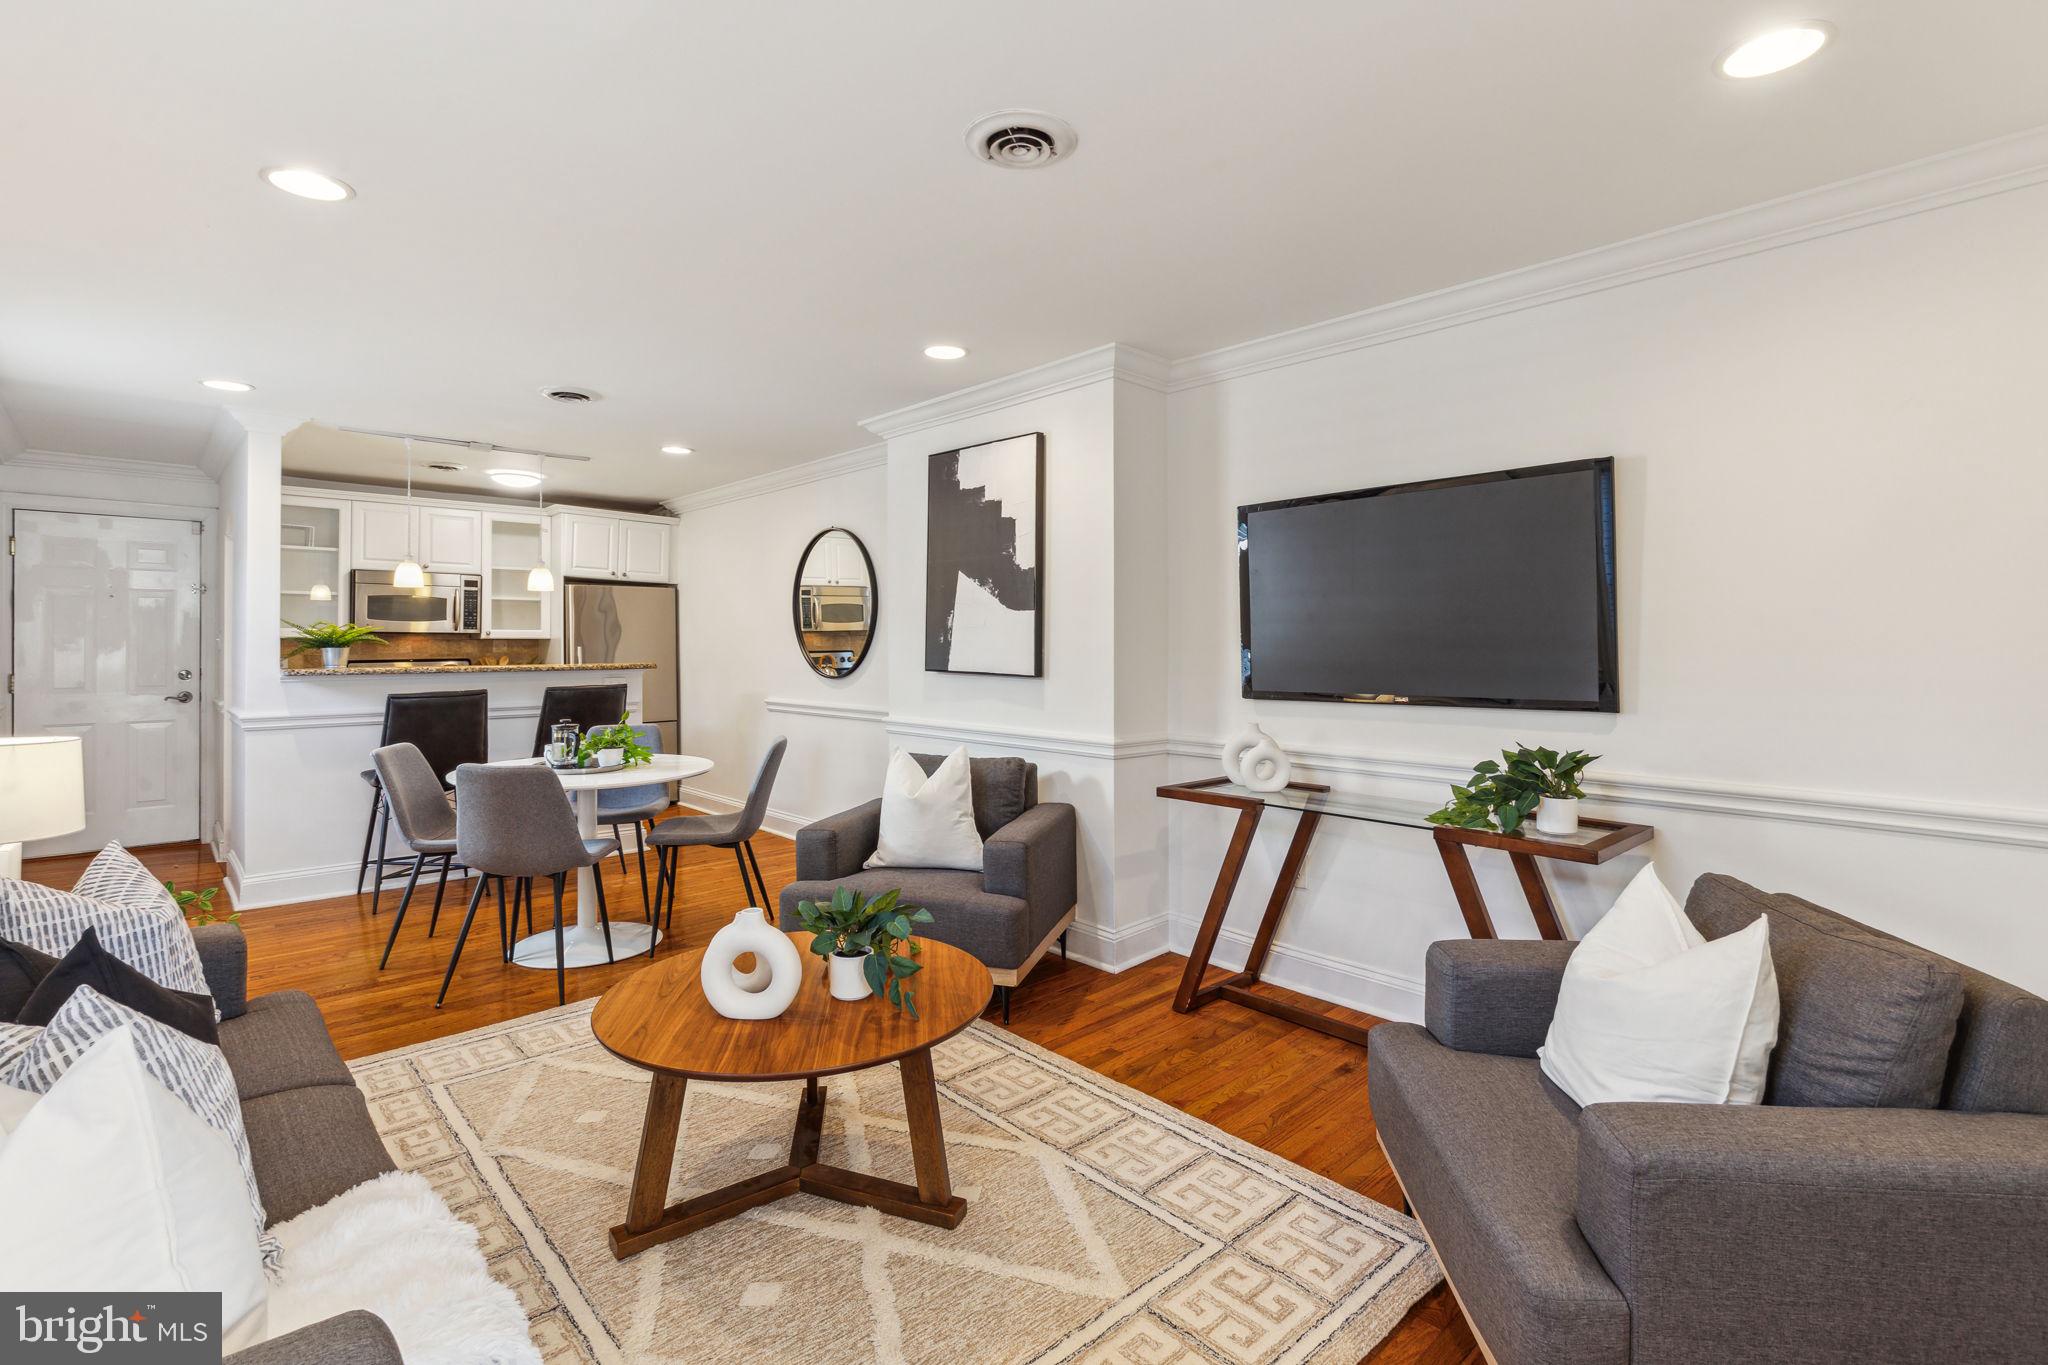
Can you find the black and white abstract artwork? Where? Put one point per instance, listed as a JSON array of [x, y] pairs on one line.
[[984, 539]]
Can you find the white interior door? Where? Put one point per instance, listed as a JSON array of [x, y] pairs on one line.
[[106, 647]]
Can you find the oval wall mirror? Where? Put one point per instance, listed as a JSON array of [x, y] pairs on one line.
[[834, 602]]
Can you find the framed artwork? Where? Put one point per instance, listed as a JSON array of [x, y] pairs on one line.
[[983, 559]]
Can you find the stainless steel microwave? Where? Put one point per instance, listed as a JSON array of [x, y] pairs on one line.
[[447, 604], [832, 607]]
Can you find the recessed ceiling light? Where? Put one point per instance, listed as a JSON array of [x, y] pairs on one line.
[[228, 385], [675, 450], [945, 352], [308, 184], [1769, 53]]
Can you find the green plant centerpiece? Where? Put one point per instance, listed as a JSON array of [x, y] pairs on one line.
[[1506, 792], [876, 929], [330, 635], [197, 906], [621, 737]]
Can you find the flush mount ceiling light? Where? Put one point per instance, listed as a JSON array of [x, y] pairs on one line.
[[1781, 48], [308, 184], [228, 385], [514, 469], [945, 352], [675, 450], [1021, 139]]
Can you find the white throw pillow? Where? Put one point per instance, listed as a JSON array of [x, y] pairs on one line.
[[928, 821], [392, 1247], [1651, 1011], [111, 1183], [120, 899]]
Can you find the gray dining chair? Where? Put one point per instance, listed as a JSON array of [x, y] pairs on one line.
[[512, 824], [639, 807], [735, 831], [419, 805]]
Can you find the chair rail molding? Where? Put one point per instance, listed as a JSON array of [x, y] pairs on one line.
[[2024, 827], [1975, 172], [828, 710], [258, 721], [1020, 737]]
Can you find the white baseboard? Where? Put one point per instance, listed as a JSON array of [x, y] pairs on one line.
[[1389, 995], [783, 822], [1120, 949]]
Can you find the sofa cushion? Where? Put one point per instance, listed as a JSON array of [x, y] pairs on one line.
[[1004, 788], [310, 1144], [1487, 1150], [996, 929], [1865, 1021], [280, 1042]]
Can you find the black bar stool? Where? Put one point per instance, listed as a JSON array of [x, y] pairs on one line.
[[587, 707], [450, 729]]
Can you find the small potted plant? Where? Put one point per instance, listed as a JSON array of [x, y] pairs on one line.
[[332, 639], [1525, 781], [612, 746], [197, 906], [867, 944]]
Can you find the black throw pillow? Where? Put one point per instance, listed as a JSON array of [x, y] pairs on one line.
[[22, 968], [88, 964]]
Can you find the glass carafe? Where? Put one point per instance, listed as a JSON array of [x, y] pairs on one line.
[[561, 750]]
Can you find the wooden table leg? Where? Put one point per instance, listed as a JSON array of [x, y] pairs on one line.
[[1219, 903], [1466, 887], [927, 1139], [1539, 895], [1276, 905], [810, 1124], [657, 1153]]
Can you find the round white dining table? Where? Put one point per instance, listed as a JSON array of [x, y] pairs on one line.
[[583, 941]]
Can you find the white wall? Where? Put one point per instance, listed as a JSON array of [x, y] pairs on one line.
[[1832, 476], [744, 679]]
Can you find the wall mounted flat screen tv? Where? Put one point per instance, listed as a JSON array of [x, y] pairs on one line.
[[1484, 590]]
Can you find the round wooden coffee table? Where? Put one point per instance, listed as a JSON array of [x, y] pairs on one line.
[[659, 1019]]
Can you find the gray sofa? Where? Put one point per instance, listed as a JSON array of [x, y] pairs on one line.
[[1887, 1202], [310, 1135], [1007, 914]]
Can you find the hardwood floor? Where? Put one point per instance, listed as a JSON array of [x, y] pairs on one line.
[[1289, 1090]]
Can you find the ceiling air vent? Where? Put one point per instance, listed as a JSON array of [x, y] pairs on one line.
[[447, 467], [570, 396], [1021, 139]]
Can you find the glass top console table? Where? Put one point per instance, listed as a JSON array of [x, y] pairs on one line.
[[1597, 841]]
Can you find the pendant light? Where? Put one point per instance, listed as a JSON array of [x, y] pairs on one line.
[[539, 578], [409, 574]]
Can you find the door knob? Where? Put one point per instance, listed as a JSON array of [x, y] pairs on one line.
[[181, 696]]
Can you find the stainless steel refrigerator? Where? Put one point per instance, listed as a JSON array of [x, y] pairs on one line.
[[628, 623]]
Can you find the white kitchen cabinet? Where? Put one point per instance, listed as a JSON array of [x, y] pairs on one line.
[[590, 544], [512, 547], [383, 534], [450, 539], [643, 551]]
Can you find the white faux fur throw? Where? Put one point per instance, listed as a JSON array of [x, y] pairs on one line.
[[391, 1246]]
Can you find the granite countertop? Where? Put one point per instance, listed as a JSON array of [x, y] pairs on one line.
[[385, 670]]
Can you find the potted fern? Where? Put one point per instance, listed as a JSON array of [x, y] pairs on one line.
[[332, 639], [1524, 782]]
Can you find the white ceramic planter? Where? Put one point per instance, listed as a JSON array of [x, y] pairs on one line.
[[849, 976], [767, 989], [1557, 815], [608, 758]]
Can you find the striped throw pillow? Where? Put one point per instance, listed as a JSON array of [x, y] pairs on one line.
[[118, 898], [197, 1073]]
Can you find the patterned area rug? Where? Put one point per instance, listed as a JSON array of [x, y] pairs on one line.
[[1102, 1226]]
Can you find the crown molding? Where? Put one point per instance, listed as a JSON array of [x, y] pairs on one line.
[[1114, 361], [1974, 172], [108, 465], [775, 480]]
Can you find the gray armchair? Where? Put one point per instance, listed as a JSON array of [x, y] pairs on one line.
[[1887, 1202], [1008, 914]]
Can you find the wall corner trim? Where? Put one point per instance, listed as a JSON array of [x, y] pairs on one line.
[[1974, 172], [1114, 361], [775, 480]]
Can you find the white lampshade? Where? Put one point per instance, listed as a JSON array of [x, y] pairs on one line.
[[408, 574], [42, 786], [539, 579]]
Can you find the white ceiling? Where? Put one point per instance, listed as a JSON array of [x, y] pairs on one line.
[[742, 223]]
